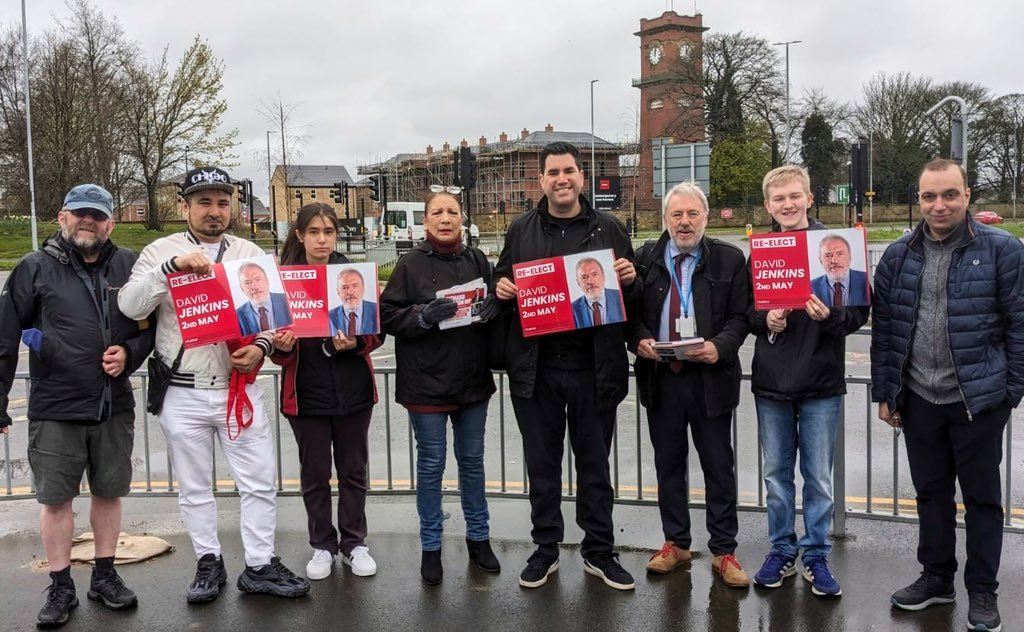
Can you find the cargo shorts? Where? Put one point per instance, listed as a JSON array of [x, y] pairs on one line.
[[60, 452]]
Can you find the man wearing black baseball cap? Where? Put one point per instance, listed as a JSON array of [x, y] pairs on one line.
[[81, 416], [195, 404]]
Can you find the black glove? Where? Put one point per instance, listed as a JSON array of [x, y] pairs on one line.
[[437, 310], [489, 308]]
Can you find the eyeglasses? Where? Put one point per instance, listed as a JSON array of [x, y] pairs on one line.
[[96, 215], [440, 188]]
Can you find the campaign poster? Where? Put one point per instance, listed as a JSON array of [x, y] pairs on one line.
[[353, 299], [788, 267], [468, 297], [306, 288], [571, 292], [258, 294], [203, 305]]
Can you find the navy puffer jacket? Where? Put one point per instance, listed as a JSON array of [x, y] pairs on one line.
[[985, 321]]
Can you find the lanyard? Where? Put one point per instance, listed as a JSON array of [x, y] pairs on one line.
[[684, 299]]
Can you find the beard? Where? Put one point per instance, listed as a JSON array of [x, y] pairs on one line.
[[86, 246], [210, 232]]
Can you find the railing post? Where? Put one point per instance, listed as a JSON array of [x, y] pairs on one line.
[[839, 474]]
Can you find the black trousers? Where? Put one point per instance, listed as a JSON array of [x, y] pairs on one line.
[[341, 442], [680, 404], [943, 445], [560, 397]]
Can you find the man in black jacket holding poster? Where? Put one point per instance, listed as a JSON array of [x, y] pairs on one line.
[[575, 378], [693, 286]]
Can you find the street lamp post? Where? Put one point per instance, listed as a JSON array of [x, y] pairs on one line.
[[789, 123], [593, 162], [270, 196], [1014, 163], [186, 158], [28, 128]]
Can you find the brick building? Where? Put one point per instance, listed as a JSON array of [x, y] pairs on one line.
[[507, 170], [302, 184], [671, 89]]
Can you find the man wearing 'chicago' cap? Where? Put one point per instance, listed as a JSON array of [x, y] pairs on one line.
[[195, 405]]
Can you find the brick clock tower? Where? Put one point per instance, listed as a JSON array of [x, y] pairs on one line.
[[671, 89]]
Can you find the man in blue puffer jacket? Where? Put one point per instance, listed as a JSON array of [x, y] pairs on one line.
[[947, 365]]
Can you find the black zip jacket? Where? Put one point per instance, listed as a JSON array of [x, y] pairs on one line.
[[314, 384], [808, 358], [721, 289], [529, 238], [435, 367], [70, 312]]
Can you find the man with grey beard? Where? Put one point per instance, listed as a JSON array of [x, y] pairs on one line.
[[61, 299]]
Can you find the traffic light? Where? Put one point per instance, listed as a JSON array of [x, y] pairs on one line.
[[467, 168], [243, 197], [375, 186], [340, 192]]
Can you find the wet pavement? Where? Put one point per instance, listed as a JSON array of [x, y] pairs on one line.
[[875, 560]]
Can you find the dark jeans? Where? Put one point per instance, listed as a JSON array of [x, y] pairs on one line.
[[680, 403], [347, 437], [561, 396], [943, 445]]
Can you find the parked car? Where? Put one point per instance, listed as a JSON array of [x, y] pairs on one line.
[[988, 217]]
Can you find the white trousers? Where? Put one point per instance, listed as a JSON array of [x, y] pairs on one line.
[[191, 418]]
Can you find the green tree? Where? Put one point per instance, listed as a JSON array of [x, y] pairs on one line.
[[822, 154], [737, 167], [167, 111]]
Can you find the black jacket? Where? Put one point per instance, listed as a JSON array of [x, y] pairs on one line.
[[808, 358], [314, 384], [721, 290], [528, 238], [435, 367], [69, 312]]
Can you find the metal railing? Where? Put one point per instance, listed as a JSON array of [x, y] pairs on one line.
[[631, 460]]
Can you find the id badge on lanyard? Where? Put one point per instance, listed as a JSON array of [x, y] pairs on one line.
[[686, 324]]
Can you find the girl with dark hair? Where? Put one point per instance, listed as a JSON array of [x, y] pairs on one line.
[[327, 394], [442, 375]]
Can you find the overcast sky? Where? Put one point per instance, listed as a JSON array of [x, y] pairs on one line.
[[376, 77]]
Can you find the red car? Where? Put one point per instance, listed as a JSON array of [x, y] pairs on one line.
[[988, 217]]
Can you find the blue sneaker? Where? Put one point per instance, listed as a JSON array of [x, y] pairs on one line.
[[777, 567], [823, 583]]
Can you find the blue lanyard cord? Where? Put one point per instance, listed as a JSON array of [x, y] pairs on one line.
[[678, 282]]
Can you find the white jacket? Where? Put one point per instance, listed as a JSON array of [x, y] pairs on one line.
[[147, 289]]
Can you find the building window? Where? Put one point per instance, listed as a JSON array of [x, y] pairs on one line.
[[140, 211], [656, 104], [684, 103], [312, 194]]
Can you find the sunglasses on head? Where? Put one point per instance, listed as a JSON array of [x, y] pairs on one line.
[[440, 188], [96, 215]]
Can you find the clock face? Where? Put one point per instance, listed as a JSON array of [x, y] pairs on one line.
[[685, 49], [654, 56]]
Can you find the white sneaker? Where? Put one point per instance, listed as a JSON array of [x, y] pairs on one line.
[[360, 562], [320, 566]]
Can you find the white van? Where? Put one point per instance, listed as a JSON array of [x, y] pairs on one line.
[[402, 223]]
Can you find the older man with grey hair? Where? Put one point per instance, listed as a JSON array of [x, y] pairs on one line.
[[701, 391]]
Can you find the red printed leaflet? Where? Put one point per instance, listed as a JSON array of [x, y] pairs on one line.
[[306, 287], [544, 305], [206, 313]]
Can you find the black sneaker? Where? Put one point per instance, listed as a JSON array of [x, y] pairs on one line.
[[210, 576], [538, 567], [929, 590], [983, 613], [60, 601], [111, 591], [273, 579], [607, 567]]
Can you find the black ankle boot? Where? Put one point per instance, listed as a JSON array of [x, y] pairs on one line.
[[430, 567], [481, 553]]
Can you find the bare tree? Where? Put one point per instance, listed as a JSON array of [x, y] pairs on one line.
[[1002, 168], [291, 138], [167, 111]]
